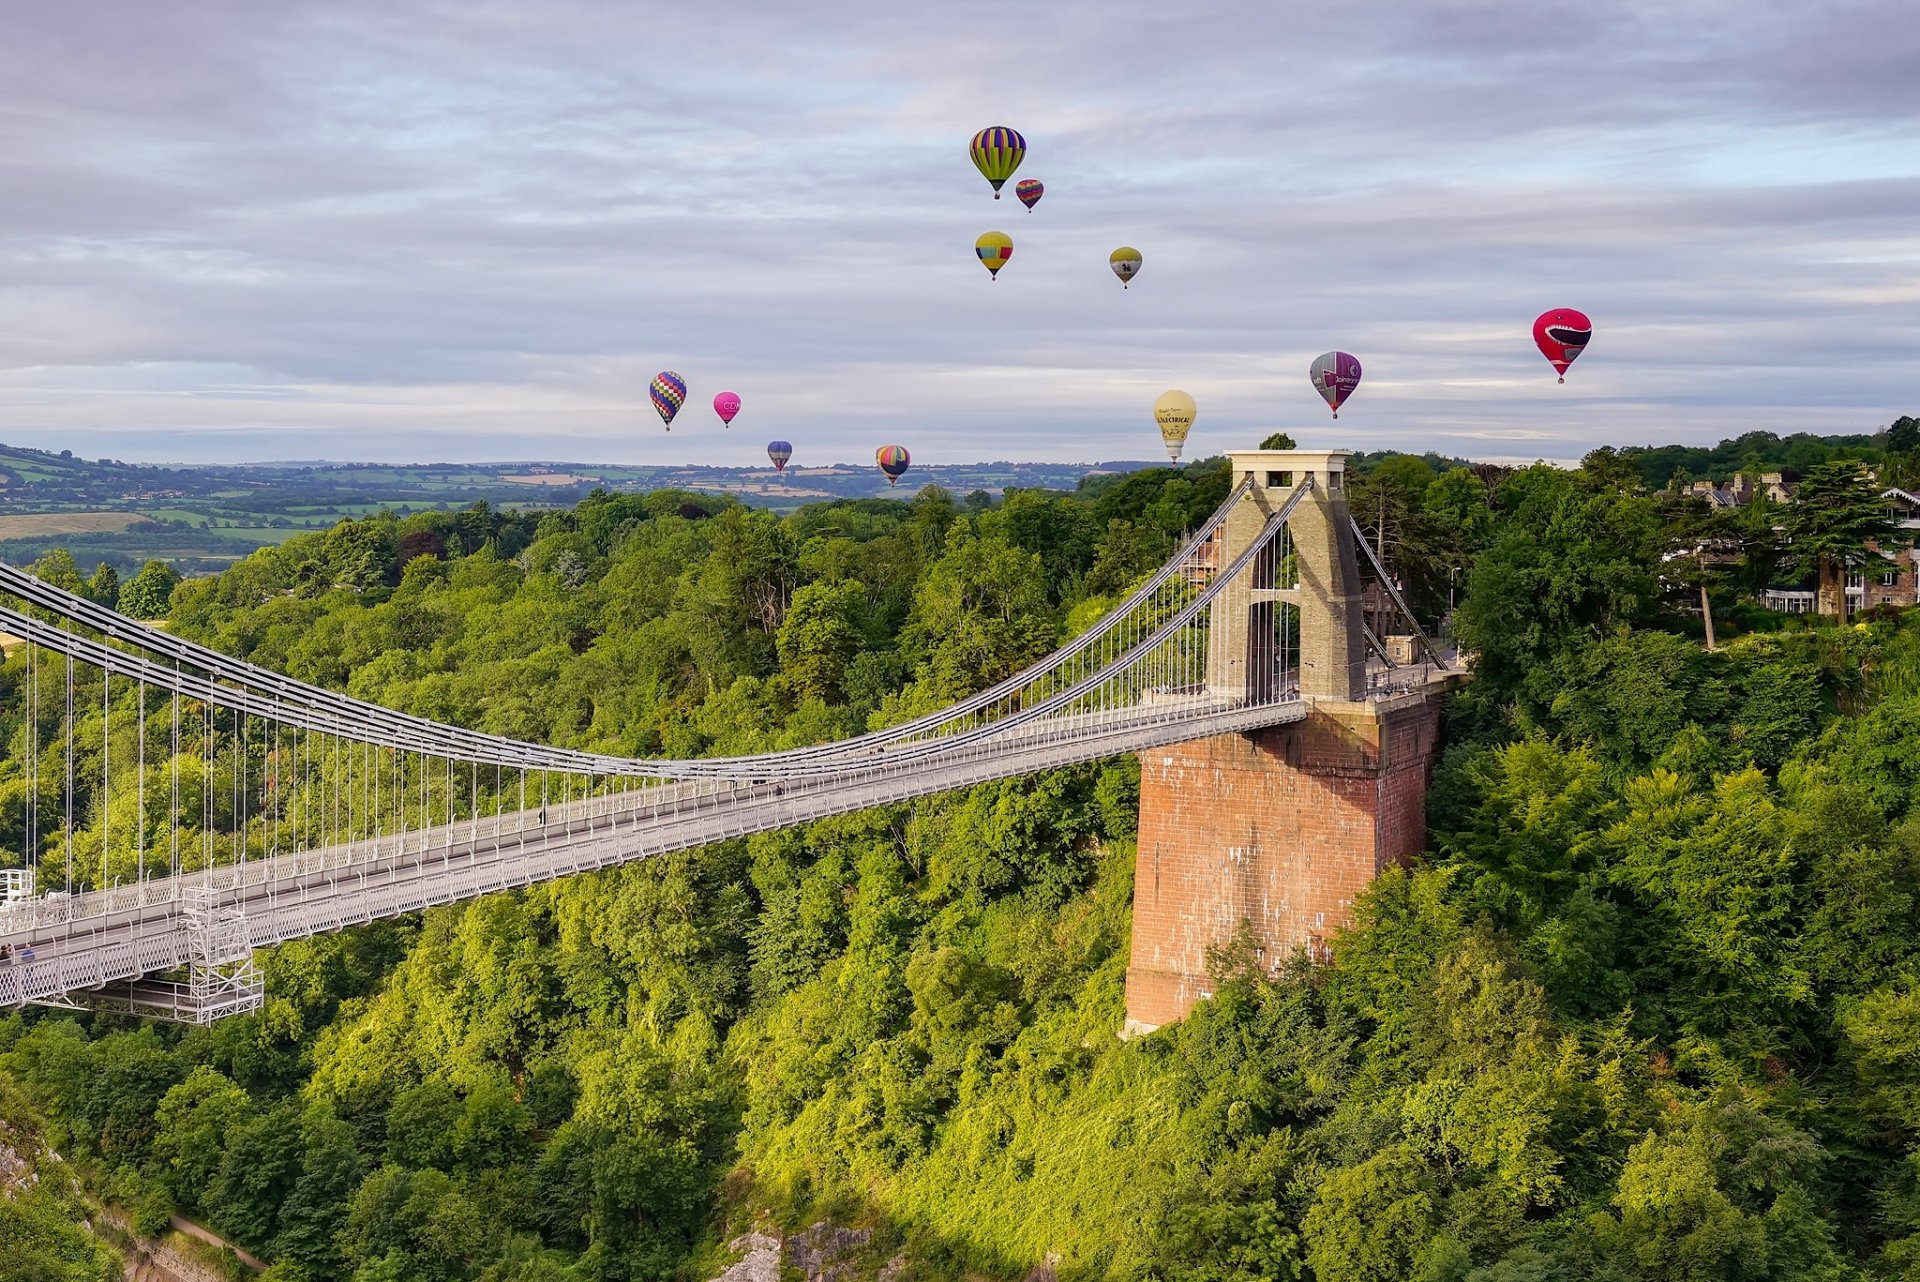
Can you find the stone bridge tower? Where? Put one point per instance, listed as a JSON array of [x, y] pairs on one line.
[[1277, 829]]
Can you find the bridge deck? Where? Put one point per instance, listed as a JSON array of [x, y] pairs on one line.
[[295, 896]]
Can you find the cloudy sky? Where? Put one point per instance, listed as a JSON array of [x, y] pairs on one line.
[[474, 229]]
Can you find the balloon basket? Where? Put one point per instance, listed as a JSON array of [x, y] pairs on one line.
[[1563, 378]]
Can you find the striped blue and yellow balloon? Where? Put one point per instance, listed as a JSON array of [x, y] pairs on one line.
[[669, 393], [996, 153]]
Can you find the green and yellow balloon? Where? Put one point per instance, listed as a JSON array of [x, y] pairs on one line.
[[996, 153]]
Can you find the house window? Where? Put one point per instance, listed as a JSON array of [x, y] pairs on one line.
[[1891, 579], [1279, 480]]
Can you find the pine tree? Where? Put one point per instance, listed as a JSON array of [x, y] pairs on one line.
[[1836, 518]]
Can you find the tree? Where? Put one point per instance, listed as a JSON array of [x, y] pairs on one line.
[[1279, 441], [425, 542], [104, 587], [193, 1120], [1832, 525], [820, 636], [1706, 549], [257, 1170], [420, 1125], [1903, 435], [57, 568], [358, 555], [980, 613], [1574, 560], [149, 594], [316, 1206]]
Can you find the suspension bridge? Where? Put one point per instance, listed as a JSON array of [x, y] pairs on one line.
[[183, 809]]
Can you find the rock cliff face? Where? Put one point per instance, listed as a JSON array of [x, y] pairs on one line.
[[824, 1252], [49, 1228], [820, 1253]]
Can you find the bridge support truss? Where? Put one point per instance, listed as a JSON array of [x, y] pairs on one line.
[[218, 979]]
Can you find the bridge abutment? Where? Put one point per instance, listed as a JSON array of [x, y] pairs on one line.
[[1279, 829]]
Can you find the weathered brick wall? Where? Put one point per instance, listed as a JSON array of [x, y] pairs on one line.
[[1279, 829]]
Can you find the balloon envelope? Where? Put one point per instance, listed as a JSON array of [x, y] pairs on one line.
[[1561, 335], [1174, 412], [726, 405], [1029, 190], [893, 460], [994, 249], [1125, 262], [997, 152], [1335, 375], [669, 393], [779, 452]]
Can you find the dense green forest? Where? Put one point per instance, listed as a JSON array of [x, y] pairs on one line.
[[1648, 1009]]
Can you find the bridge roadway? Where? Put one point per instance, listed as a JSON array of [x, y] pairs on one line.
[[108, 937]]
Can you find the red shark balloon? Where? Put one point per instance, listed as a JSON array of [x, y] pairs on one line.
[[1562, 335]]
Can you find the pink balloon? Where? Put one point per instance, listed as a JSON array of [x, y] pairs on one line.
[[726, 405]]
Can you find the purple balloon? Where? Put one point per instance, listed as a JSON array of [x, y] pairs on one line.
[[1334, 376]]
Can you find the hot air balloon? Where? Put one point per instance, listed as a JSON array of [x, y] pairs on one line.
[[1174, 413], [996, 153], [1334, 376], [994, 249], [1561, 335], [1029, 190], [780, 452], [1125, 262], [893, 460], [726, 405], [669, 393]]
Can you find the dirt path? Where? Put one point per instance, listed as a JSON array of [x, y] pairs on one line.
[[213, 1239]]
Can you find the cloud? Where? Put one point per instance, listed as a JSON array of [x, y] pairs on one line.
[[475, 230]]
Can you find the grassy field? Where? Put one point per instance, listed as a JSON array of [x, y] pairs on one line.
[[30, 525]]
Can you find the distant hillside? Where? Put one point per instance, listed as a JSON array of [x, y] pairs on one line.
[[204, 518]]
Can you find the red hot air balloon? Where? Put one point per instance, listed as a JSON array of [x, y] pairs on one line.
[[1335, 375], [893, 460], [1029, 190], [726, 405], [1561, 335]]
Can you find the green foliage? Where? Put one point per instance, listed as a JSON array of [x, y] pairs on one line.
[[149, 594], [44, 1234], [1835, 518], [1648, 1008], [1574, 561]]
